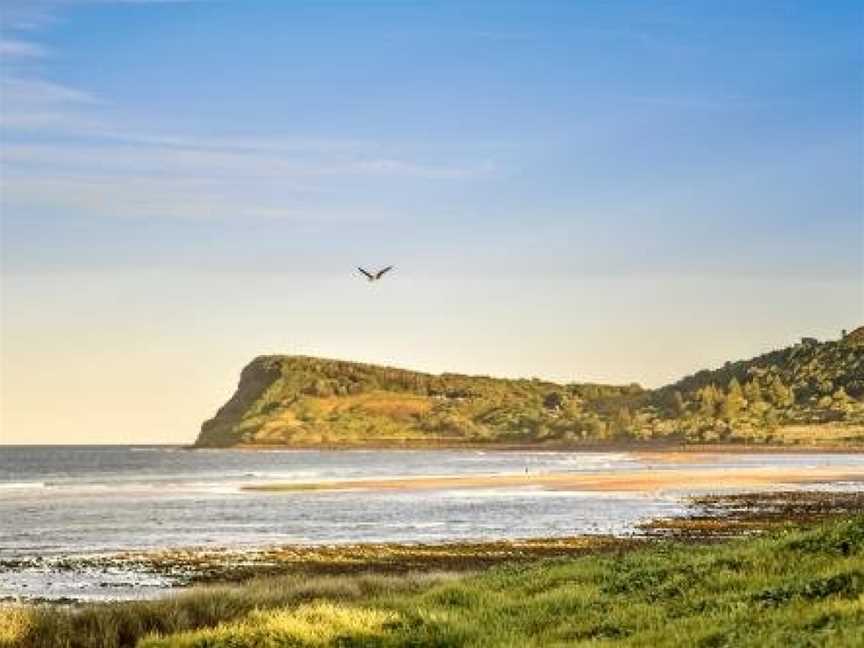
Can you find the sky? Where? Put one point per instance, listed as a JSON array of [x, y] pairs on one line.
[[593, 191]]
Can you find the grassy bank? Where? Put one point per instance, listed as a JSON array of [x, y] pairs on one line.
[[791, 587]]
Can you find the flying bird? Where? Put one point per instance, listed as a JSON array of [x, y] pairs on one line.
[[376, 276]]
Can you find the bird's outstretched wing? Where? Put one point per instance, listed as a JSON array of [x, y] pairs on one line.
[[368, 274], [382, 272]]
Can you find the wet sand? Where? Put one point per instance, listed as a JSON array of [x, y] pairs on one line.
[[641, 480]]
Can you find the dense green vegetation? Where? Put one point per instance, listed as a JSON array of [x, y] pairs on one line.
[[790, 588], [811, 383], [812, 391]]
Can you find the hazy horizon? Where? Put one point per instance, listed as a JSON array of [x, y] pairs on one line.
[[606, 192]]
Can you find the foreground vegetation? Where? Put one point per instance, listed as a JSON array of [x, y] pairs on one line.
[[789, 588], [812, 392]]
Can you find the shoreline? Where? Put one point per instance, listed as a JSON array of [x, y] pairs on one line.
[[647, 448], [638, 480]]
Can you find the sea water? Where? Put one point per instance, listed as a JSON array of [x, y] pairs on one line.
[[63, 501]]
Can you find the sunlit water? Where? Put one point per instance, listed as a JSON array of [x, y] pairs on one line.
[[67, 501]]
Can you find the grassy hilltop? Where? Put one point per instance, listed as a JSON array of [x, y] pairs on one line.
[[810, 392]]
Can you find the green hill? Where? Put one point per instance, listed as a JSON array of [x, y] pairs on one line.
[[809, 384], [812, 391]]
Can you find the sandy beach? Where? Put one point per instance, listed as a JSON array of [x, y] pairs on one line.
[[642, 480]]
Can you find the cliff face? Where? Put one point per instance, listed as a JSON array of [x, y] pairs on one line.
[[303, 401], [255, 379]]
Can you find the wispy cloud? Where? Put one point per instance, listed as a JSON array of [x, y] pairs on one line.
[[178, 198], [21, 49], [36, 106], [159, 182], [28, 93], [215, 162], [30, 15], [69, 151], [144, 196]]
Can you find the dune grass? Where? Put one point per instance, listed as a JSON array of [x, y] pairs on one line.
[[790, 588], [121, 624]]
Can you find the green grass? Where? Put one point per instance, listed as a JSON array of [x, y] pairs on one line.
[[790, 589], [111, 625]]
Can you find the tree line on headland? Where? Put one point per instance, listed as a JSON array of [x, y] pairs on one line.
[[809, 392]]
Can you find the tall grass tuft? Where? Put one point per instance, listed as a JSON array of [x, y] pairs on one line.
[[123, 624]]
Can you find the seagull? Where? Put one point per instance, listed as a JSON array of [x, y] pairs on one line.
[[377, 275]]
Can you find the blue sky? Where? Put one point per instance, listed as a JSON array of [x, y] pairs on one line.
[[598, 190]]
